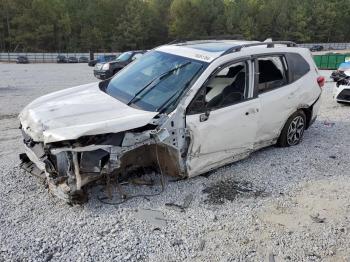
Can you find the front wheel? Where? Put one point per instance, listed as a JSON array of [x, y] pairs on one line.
[[293, 131]]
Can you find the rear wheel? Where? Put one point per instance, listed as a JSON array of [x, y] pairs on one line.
[[293, 131]]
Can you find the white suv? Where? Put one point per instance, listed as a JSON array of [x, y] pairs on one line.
[[184, 108]]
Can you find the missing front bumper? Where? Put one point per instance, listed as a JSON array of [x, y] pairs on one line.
[[73, 171]]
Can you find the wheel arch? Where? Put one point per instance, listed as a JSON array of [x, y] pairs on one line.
[[302, 109], [308, 113]]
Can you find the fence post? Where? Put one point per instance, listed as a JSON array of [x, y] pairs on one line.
[[8, 56]]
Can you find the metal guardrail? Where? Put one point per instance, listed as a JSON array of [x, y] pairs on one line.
[[44, 57]]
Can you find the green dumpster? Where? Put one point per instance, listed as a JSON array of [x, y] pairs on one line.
[[330, 61]]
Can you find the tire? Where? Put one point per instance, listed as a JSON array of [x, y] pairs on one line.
[[293, 131]]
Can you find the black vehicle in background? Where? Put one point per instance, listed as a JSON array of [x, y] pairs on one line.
[[61, 59], [22, 60], [108, 69], [72, 59], [83, 59], [102, 59], [316, 48]]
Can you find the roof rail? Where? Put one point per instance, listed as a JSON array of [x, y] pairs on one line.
[[209, 38], [268, 45]]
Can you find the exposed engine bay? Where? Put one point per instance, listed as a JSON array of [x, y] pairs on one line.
[[69, 165]]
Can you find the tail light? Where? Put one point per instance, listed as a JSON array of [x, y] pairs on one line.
[[321, 81]]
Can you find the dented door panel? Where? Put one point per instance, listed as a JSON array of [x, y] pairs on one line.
[[279, 104], [228, 133], [276, 106]]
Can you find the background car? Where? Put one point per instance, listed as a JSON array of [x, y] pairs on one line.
[[109, 69], [72, 59], [341, 91], [61, 59], [102, 59], [83, 59], [22, 60], [341, 73], [316, 48]]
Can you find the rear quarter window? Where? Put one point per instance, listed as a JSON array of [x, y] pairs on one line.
[[297, 65]]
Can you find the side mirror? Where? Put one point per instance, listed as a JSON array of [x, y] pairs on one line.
[[204, 117], [198, 104]]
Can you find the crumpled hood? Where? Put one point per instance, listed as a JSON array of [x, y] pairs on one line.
[[79, 111]]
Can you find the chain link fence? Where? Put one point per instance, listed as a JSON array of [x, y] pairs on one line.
[[46, 57]]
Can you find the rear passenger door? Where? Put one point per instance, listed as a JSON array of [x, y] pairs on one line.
[[277, 94]]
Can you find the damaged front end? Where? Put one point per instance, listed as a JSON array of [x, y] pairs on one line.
[[108, 129], [68, 166]]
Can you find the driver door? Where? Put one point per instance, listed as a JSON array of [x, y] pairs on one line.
[[222, 118]]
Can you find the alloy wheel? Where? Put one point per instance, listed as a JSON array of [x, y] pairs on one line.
[[295, 130]]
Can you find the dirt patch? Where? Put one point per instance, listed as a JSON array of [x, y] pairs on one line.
[[231, 190], [318, 202]]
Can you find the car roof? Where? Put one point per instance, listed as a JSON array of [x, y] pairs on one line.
[[208, 50], [212, 48]]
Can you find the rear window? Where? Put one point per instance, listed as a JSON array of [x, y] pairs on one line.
[[272, 73], [297, 65]]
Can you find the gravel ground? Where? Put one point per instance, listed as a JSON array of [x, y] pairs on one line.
[[280, 204]]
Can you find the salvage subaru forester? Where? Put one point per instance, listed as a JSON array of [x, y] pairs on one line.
[[189, 106]]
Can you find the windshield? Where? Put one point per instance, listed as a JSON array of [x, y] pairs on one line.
[[155, 81], [105, 57], [124, 56]]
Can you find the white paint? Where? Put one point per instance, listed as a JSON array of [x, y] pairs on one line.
[[189, 52], [228, 132], [227, 136], [279, 104], [338, 90], [79, 111]]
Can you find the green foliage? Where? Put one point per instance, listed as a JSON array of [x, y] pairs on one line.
[[117, 25]]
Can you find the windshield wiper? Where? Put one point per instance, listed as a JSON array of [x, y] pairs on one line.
[[175, 97], [159, 78]]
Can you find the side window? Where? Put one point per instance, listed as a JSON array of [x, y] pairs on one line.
[[272, 73], [136, 56], [228, 86], [298, 66]]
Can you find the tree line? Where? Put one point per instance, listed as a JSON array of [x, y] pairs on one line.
[[118, 25]]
